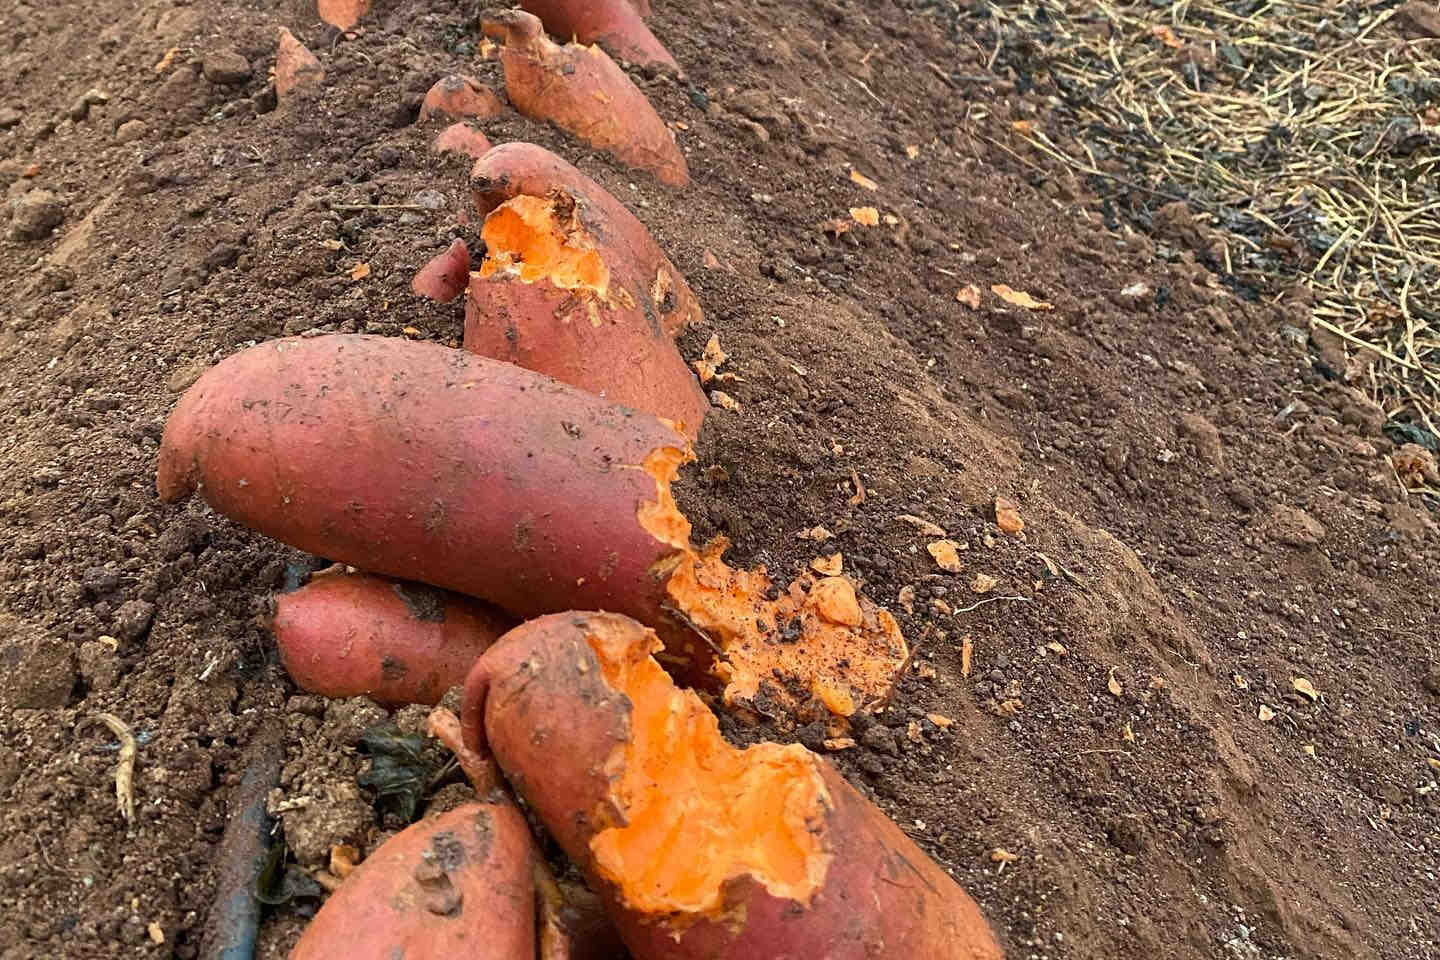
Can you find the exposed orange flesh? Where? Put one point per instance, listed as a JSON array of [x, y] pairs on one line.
[[816, 637], [680, 788], [536, 239]]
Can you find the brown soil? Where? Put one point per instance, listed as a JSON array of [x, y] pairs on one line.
[[1217, 514]]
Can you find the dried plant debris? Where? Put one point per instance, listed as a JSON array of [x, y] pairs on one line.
[[1293, 147]]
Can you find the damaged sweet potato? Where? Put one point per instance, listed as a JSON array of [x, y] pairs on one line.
[[519, 169], [552, 297], [582, 91], [615, 25], [444, 277], [700, 849], [412, 459], [348, 635], [457, 884]]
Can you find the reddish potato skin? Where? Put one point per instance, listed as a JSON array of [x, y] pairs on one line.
[[621, 354], [614, 24], [455, 885], [582, 91], [415, 460], [538, 699], [350, 635], [515, 169], [444, 276]]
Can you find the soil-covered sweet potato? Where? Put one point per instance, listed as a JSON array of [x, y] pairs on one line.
[[615, 25], [460, 96], [444, 277], [411, 459], [582, 91], [524, 169], [701, 850], [394, 641], [551, 296], [459, 884]]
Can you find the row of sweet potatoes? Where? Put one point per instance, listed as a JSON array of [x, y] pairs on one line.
[[529, 474]]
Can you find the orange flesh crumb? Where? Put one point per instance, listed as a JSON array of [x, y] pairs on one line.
[[817, 635], [535, 239], [697, 812]]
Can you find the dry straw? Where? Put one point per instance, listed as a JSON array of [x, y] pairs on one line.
[[1306, 133]]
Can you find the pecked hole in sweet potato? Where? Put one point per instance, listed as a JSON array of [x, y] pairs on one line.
[[535, 238], [816, 636], [757, 812]]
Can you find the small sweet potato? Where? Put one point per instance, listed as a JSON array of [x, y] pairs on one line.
[[342, 14], [444, 276], [347, 635], [415, 460], [519, 169], [296, 68], [455, 885], [582, 91], [701, 850], [615, 25], [553, 297], [460, 96], [460, 137]]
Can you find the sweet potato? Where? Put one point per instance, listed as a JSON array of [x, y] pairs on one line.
[[460, 96], [454, 885], [414, 460], [700, 849], [613, 24], [552, 297], [342, 14], [444, 276], [296, 68], [347, 635], [582, 91], [520, 169], [571, 923], [460, 137]]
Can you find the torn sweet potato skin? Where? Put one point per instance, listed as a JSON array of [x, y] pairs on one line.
[[412, 459], [550, 298], [456, 884], [394, 641], [700, 849], [615, 25], [582, 91], [520, 169]]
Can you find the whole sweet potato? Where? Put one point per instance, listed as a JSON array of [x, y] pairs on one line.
[[459, 884], [418, 461], [553, 297], [347, 635], [582, 91], [700, 849], [615, 25], [524, 169]]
